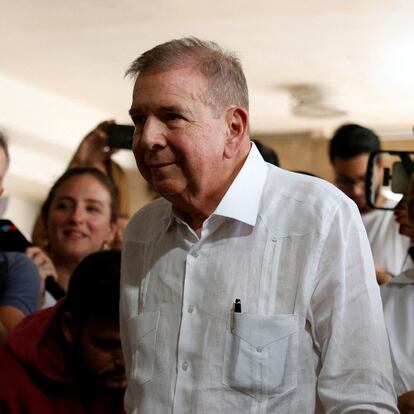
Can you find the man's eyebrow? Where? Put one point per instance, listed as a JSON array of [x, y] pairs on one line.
[[167, 108], [174, 108]]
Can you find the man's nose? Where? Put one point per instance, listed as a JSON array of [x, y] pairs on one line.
[[119, 357], [152, 136]]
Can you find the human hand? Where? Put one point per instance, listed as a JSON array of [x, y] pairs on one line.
[[93, 150], [406, 403], [402, 218], [382, 275], [44, 265]]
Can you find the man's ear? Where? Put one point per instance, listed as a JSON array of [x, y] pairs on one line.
[[68, 326], [237, 120]]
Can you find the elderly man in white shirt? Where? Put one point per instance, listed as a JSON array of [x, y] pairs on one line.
[[246, 288]]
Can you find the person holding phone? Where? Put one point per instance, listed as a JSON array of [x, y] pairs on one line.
[[349, 151], [78, 216], [94, 151], [19, 278]]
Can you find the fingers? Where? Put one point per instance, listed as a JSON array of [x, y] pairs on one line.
[[104, 124], [92, 150], [42, 261]]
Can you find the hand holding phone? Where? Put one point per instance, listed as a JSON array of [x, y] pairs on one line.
[[47, 271], [12, 240]]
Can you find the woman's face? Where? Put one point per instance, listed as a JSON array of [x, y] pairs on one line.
[[79, 219]]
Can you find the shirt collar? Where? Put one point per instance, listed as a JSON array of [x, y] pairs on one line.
[[242, 199]]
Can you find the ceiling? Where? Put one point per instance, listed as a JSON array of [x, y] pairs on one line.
[[310, 66]]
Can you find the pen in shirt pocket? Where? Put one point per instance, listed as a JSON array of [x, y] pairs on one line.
[[236, 309]]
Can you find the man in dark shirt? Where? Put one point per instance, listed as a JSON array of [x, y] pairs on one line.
[[68, 358]]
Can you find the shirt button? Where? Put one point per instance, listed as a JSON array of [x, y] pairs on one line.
[[194, 253], [190, 309], [185, 366], [259, 349]]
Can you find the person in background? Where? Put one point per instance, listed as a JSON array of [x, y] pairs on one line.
[[94, 152], [245, 288], [79, 216], [398, 302], [68, 358], [19, 279], [349, 151]]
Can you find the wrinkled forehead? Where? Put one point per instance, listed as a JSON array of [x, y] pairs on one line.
[[182, 86]]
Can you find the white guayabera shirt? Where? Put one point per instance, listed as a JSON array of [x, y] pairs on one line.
[[398, 300], [310, 336]]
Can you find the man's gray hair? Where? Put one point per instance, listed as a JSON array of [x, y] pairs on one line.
[[5, 147], [226, 81]]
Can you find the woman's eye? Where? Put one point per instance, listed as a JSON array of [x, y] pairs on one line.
[[93, 209], [62, 205]]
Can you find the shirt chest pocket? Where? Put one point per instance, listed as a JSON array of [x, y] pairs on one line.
[[142, 332], [261, 354]]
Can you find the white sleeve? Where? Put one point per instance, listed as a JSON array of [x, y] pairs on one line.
[[348, 324]]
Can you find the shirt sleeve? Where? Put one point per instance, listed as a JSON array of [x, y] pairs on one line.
[[21, 287], [348, 323]]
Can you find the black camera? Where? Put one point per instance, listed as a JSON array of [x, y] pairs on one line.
[[393, 178]]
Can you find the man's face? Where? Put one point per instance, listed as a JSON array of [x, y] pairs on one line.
[[179, 139], [99, 344], [350, 178]]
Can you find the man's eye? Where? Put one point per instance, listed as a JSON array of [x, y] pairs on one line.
[[138, 120], [107, 343], [171, 116]]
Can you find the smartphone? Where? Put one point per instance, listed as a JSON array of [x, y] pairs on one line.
[[393, 179], [120, 136], [11, 239]]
